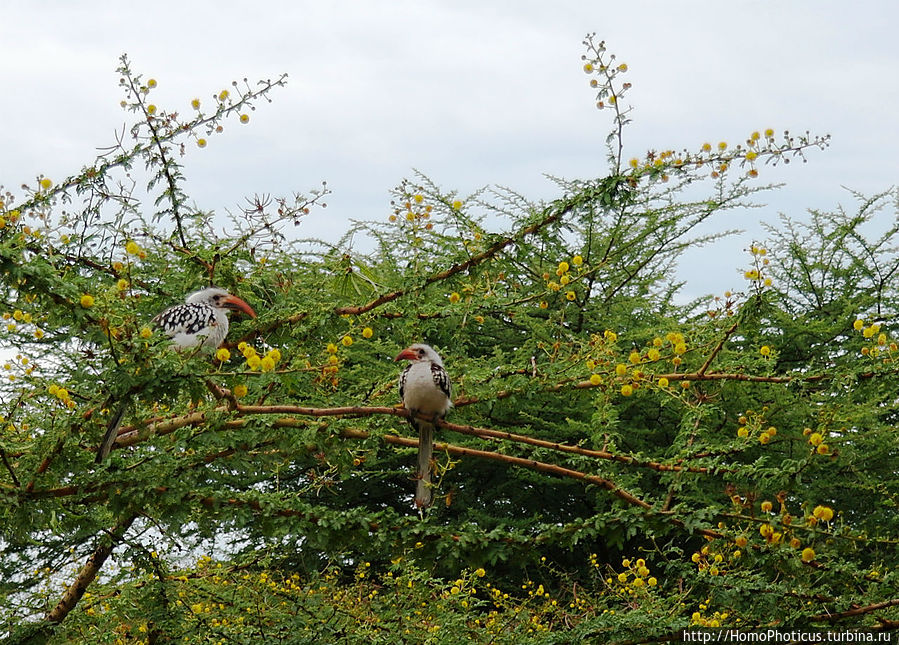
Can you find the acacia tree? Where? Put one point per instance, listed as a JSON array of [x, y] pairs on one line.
[[617, 466]]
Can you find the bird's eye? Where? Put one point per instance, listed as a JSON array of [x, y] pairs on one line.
[[421, 353]]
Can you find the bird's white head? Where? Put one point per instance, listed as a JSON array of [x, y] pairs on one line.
[[420, 353], [220, 299]]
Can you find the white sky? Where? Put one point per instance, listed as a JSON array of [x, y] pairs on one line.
[[469, 92]]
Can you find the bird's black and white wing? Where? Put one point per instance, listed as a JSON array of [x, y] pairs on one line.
[[441, 379]]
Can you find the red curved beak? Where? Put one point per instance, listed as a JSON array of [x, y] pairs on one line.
[[235, 303], [406, 355]]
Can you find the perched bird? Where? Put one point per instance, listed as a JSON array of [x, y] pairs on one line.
[[202, 321], [425, 389]]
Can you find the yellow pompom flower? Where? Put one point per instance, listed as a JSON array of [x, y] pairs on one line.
[[634, 357], [571, 295], [240, 391], [824, 513], [195, 104], [151, 83], [267, 363], [145, 332], [563, 268], [46, 183], [595, 379], [87, 301], [151, 109], [347, 341], [767, 506], [223, 95], [132, 248], [621, 369], [223, 354], [367, 332], [201, 143], [577, 260], [765, 350], [663, 382], [331, 348], [627, 390], [457, 204], [808, 554], [244, 118], [454, 297], [480, 573]]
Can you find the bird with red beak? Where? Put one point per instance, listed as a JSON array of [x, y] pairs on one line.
[[202, 322], [425, 390]]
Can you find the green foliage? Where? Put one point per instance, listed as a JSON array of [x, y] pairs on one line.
[[617, 466]]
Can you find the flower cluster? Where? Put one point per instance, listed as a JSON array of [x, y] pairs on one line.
[[254, 362], [414, 212], [754, 424], [757, 275]]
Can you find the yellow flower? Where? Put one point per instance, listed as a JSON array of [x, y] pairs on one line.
[[38, 333], [480, 573], [267, 364], [751, 155], [595, 379], [634, 357], [621, 369], [765, 350], [563, 268], [653, 354], [742, 432], [808, 554], [331, 348], [622, 67], [544, 304], [816, 439], [769, 133], [347, 341], [626, 390], [244, 118], [577, 260], [634, 163], [454, 297], [722, 145], [145, 332], [622, 577], [195, 104], [151, 83], [240, 391], [132, 248], [652, 582], [663, 382], [457, 205], [275, 354], [223, 355], [46, 183], [367, 332], [824, 513], [588, 67], [564, 280], [707, 147], [766, 530], [151, 109], [87, 301], [122, 284], [254, 362], [223, 95], [858, 324], [571, 295], [767, 506], [201, 142]]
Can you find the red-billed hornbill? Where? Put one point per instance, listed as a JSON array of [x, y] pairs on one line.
[[202, 321], [425, 390]]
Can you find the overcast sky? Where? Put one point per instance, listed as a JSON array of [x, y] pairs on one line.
[[469, 92]]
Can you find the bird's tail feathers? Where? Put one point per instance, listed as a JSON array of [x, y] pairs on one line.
[[112, 431], [423, 477]]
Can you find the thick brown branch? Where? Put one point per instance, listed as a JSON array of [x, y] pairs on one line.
[[856, 611], [89, 571]]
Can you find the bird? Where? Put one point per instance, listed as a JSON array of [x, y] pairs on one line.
[[202, 322], [425, 389]]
